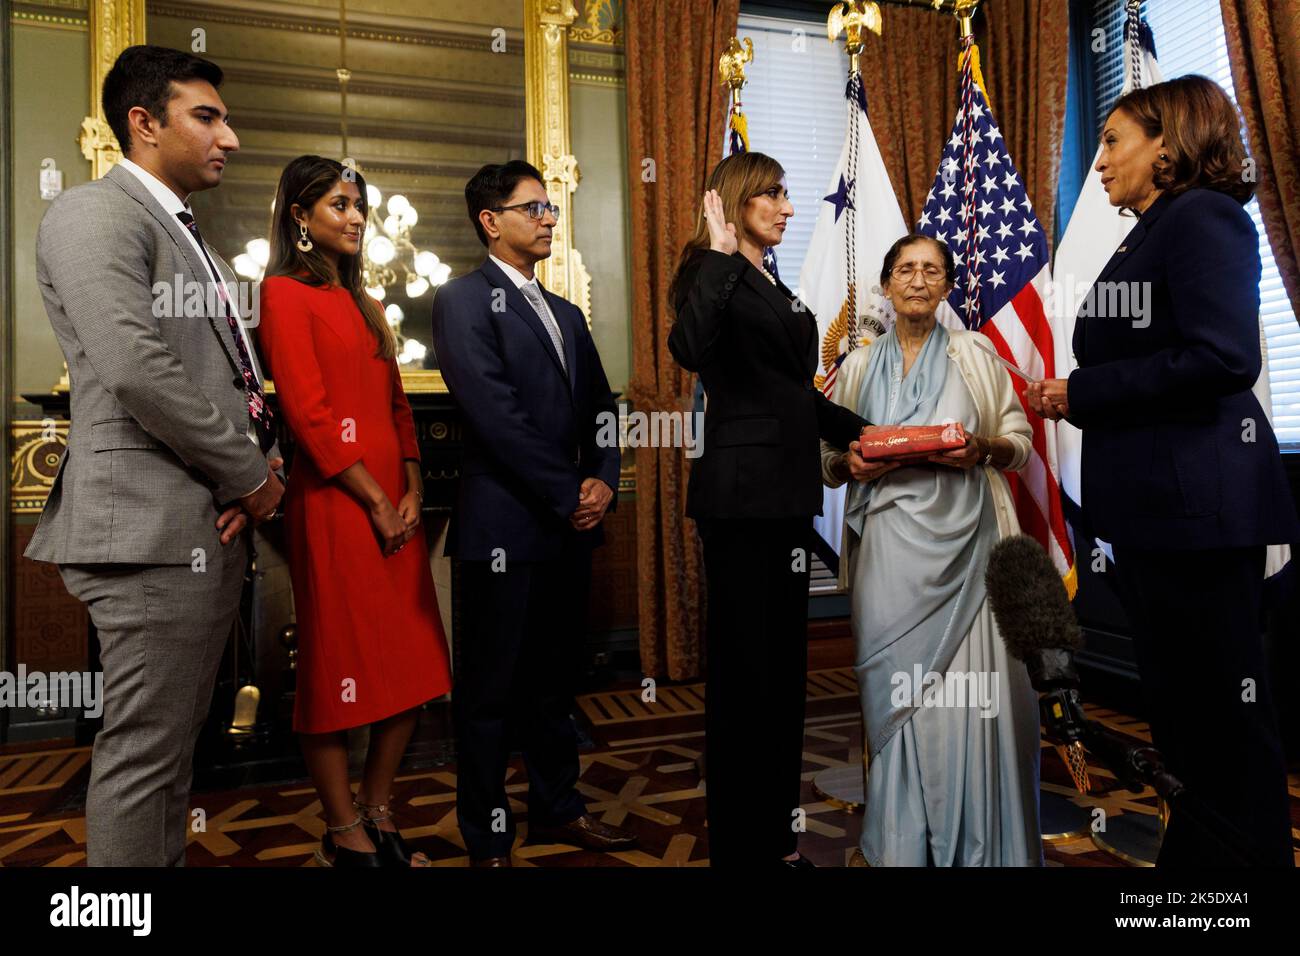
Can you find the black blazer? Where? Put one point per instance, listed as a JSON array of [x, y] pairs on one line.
[[1166, 407], [530, 430], [754, 345]]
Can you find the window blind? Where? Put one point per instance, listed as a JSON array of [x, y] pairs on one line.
[[794, 104]]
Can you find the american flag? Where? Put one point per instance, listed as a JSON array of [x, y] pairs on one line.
[[979, 207]]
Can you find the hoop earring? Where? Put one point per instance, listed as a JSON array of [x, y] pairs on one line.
[[304, 241]]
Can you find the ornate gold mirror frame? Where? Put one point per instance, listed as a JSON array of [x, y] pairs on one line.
[[114, 26], [546, 65]]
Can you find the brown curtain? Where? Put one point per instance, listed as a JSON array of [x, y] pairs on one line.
[[911, 79], [676, 117], [910, 76], [1264, 50]]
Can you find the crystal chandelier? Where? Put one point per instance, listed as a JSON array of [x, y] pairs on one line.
[[390, 258]]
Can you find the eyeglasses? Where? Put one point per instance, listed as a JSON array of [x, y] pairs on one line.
[[534, 210], [930, 274]]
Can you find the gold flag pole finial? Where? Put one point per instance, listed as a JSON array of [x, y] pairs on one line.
[[731, 65], [964, 11], [851, 18]]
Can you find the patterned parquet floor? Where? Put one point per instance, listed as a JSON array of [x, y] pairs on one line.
[[641, 774]]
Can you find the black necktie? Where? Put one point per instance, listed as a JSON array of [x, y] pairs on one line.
[[263, 418]]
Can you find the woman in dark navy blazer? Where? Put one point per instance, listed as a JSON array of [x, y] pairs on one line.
[[753, 493], [1181, 470]]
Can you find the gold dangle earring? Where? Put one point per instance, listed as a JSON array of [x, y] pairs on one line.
[[304, 241]]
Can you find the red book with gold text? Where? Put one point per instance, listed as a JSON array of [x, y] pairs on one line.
[[910, 442]]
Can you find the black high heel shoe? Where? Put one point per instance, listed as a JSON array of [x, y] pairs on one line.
[[341, 857], [391, 847]]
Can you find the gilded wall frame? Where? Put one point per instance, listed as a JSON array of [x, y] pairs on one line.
[[549, 146]]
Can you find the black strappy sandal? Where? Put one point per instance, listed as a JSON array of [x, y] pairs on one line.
[[343, 857], [391, 847]]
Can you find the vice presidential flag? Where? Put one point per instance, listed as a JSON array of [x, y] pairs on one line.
[[858, 221], [979, 207]]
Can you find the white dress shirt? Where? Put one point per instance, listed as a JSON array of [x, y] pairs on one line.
[[517, 277], [514, 274]]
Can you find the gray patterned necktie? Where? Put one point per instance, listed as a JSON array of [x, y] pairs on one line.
[[534, 296]]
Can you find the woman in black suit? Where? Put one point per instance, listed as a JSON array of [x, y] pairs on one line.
[[753, 493], [1181, 470]]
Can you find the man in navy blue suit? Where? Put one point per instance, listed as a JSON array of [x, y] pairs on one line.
[[535, 487]]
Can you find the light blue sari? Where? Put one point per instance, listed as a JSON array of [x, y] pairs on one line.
[[949, 783]]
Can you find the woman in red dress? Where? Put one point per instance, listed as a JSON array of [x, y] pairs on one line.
[[371, 647]]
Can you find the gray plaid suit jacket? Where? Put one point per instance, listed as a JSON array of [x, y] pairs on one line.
[[159, 419]]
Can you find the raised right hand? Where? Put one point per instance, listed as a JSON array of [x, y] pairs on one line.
[[722, 234], [389, 526]]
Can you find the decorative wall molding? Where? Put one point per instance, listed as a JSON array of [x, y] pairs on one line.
[[596, 59], [82, 6], [36, 447], [259, 156], [596, 66], [596, 79], [325, 79], [600, 22], [375, 27], [28, 15], [408, 130]]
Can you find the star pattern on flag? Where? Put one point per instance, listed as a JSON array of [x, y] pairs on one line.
[[842, 198], [978, 205]]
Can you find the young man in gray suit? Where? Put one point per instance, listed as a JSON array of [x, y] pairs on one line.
[[167, 451]]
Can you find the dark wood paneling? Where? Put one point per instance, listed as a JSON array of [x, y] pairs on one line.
[[50, 625], [613, 571]]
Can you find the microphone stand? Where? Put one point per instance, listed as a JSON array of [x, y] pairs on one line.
[[1136, 765]]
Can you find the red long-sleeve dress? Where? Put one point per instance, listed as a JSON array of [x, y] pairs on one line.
[[370, 641]]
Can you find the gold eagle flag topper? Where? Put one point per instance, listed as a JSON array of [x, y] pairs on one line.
[[851, 18], [731, 68]]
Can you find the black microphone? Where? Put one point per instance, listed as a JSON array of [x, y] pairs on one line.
[[1039, 628]]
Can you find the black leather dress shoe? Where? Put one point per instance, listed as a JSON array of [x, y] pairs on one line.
[[491, 863], [800, 862], [586, 832]]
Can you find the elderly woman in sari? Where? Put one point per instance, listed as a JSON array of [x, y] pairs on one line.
[[953, 776]]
